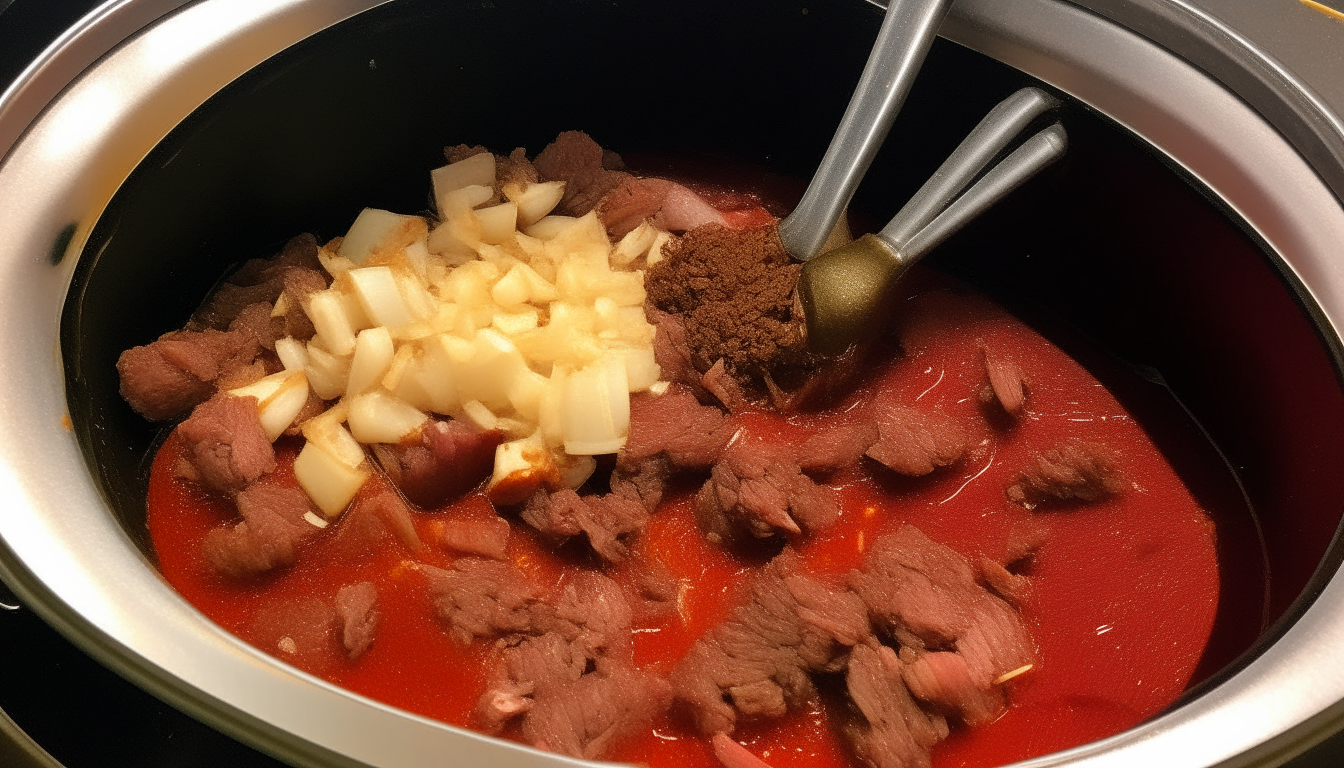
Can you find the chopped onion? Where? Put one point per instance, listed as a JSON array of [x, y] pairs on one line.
[[477, 170], [327, 373], [548, 227], [595, 409], [328, 481], [377, 417], [534, 200], [373, 356], [380, 297], [293, 353], [498, 222], [373, 228], [280, 397], [327, 312]]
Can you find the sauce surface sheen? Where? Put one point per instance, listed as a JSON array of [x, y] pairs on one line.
[[1124, 591]]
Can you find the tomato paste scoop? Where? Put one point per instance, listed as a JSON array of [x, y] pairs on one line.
[[840, 290]]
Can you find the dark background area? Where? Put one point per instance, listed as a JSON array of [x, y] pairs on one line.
[[83, 714]]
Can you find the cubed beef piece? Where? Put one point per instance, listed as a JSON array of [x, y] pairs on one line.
[[450, 458], [515, 169], [585, 717], [913, 442], [833, 447], [576, 159], [170, 376], [590, 612], [927, 597], [724, 387], [1006, 383], [1025, 537], [652, 589], [758, 662], [644, 482], [300, 283], [356, 610], [262, 281], [608, 521], [885, 728], [375, 522], [943, 680], [481, 598], [268, 537], [1015, 588], [674, 423], [225, 447], [632, 202], [757, 489], [1073, 470], [684, 210], [487, 537], [671, 350]]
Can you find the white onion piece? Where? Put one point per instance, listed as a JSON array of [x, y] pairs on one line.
[[281, 408], [372, 227], [574, 470], [373, 356], [489, 373], [378, 294], [550, 407], [436, 373], [548, 227], [641, 368], [516, 323], [262, 388], [293, 353], [635, 244], [534, 200], [655, 253], [328, 481], [522, 466], [417, 255], [477, 170], [326, 310], [377, 417], [595, 409], [327, 373], [327, 430], [498, 222], [477, 413]]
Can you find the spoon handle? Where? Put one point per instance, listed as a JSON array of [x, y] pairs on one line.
[[990, 136], [907, 32]]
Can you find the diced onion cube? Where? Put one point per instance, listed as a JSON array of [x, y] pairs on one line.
[[380, 296], [498, 222], [372, 228], [477, 170], [280, 397], [328, 314], [521, 467], [595, 409], [548, 227], [293, 353], [327, 373], [373, 356], [377, 417], [328, 481], [534, 200], [477, 413]]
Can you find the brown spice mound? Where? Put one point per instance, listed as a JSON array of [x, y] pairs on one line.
[[733, 289]]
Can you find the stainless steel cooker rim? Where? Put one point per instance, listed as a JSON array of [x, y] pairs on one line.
[[1276, 706]]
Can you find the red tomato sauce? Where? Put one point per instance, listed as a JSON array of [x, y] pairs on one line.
[[1125, 590]]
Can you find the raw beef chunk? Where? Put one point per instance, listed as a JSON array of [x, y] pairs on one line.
[[572, 681], [295, 270], [671, 350], [269, 536], [174, 374], [224, 445], [451, 458], [669, 206], [926, 596], [757, 489], [1074, 470], [912, 442], [481, 598], [608, 521], [885, 727], [831, 448], [356, 611], [376, 521], [488, 537], [724, 387], [674, 423], [644, 482], [758, 662]]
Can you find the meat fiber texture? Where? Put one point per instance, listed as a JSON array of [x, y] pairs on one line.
[[758, 663], [957, 638], [675, 424], [269, 536], [608, 521], [913, 442], [450, 458], [375, 522], [884, 726], [566, 670], [1072, 471], [757, 489], [225, 447]]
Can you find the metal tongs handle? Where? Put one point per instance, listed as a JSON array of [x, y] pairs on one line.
[[945, 203], [907, 32]]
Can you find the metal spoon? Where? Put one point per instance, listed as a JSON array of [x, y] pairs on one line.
[[902, 42], [840, 290]]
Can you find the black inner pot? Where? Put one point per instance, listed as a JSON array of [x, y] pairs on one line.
[[1112, 245]]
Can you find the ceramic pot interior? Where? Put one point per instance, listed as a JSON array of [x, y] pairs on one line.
[[1113, 245]]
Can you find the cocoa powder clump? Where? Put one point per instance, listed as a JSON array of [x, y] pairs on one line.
[[733, 289]]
